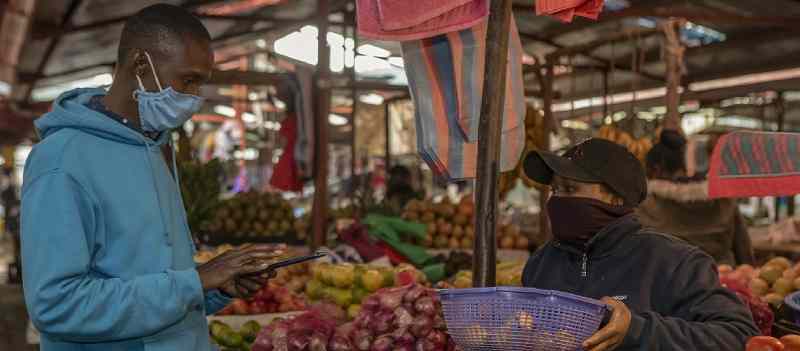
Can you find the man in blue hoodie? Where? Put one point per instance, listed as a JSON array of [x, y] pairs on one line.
[[106, 250]]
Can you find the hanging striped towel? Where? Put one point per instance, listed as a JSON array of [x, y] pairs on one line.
[[755, 164], [445, 76]]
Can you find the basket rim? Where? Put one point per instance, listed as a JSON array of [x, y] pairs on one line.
[[477, 291], [791, 300]]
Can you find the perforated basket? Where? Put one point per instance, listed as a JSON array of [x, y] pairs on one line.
[[519, 319], [793, 301]]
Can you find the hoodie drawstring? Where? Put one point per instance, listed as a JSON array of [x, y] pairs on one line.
[[158, 193]]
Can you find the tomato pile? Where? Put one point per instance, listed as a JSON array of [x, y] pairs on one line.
[[768, 343]]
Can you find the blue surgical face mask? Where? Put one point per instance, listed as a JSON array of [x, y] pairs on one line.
[[166, 109]]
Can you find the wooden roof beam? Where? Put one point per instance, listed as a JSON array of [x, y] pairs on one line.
[[51, 47], [607, 40], [604, 61]]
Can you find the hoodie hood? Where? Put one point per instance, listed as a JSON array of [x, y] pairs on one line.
[[70, 111]]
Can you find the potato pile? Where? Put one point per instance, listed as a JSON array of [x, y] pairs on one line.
[[449, 225], [772, 282]]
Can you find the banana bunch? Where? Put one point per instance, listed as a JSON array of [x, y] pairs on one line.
[[535, 137], [638, 147]]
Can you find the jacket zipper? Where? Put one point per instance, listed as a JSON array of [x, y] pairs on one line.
[[584, 259], [584, 266]]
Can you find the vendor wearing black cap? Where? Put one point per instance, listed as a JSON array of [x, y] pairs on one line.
[[665, 294]]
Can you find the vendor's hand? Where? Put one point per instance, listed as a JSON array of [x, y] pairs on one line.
[[245, 286], [222, 271], [612, 335]]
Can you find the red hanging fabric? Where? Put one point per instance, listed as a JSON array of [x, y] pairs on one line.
[[286, 175], [566, 10]]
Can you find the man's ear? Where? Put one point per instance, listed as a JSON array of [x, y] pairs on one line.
[[140, 65]]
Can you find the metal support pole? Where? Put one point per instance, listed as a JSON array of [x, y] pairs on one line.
[[547, 102], [387, 153], [354, 93], [323, 96], [484, 268]]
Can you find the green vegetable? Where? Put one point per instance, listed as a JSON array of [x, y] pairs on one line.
[[250, 330]]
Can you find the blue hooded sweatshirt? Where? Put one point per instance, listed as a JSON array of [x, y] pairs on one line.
[[107, 255]]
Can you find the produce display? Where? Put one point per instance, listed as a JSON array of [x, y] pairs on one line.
[[772, 282], [451, 226], [253, 215], [200, 189], [310, 331], [508, 274], [768, 343], [509, 237], [242, 339], [272, 298], [346, 285], [404, 318], [638, 147]]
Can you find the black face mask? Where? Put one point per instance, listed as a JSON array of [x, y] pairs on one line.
[[576, 220]]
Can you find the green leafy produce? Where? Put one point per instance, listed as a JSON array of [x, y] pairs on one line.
[[200, 188]]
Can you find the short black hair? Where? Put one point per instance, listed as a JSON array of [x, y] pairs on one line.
[[160, 29], [668, 154]]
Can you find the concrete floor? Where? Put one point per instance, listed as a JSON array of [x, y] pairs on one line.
[[13, 320]]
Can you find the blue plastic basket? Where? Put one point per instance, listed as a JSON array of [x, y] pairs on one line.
[[793, 301], [519, 319]]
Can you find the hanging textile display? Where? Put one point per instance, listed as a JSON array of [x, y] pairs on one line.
[[445, 76], [286, 175], [746, 164], [566, 10], [402, 20]]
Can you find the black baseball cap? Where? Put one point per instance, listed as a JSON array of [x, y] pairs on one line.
[[592, 161]]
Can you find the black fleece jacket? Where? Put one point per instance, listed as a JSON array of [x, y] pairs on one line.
[[671, 288]]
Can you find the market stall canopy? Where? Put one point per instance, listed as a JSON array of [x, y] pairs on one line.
[[735, 47]]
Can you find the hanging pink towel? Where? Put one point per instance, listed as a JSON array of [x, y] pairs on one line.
[[566, 10], [404, 14], [399, 20]]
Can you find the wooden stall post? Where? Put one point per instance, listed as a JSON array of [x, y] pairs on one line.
[[484, 268], [319, 211], [674, 57]]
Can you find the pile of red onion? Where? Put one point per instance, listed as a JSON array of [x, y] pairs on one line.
[[406, 318], [309, 331]]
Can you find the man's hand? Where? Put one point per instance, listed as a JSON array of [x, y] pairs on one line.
[[245, 286], [236, 272], [612, 335]]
